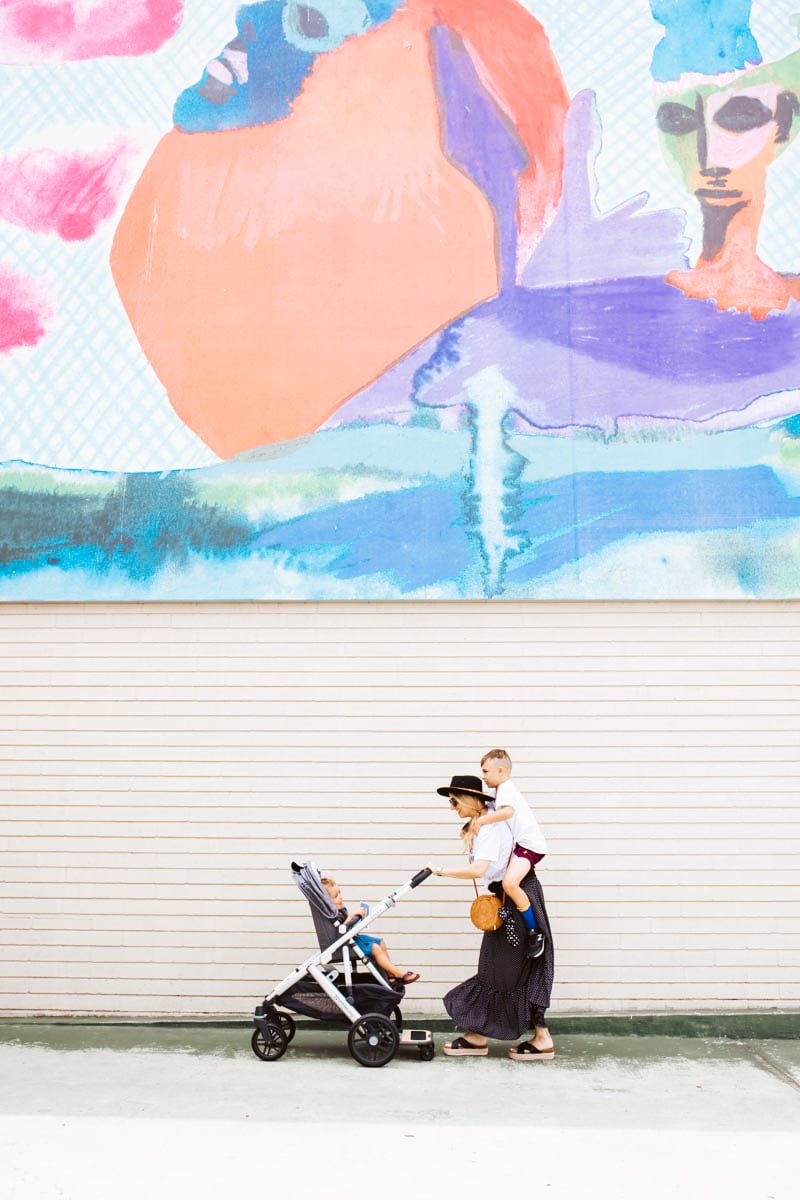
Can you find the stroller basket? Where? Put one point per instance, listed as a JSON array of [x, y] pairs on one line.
[[309, 1000], [371, 1006]]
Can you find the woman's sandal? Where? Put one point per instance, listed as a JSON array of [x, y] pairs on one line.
[[527, 1052], [460, 1046]]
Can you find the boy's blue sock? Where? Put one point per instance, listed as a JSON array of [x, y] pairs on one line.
[[527, 916]]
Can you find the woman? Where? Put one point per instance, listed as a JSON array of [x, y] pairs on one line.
[[510, 992]]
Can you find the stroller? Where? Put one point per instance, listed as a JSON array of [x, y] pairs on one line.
[[339, 982]]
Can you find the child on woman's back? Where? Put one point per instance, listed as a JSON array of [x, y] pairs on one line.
[[529, 844], [371, 946]]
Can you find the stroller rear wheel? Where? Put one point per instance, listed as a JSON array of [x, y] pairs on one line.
[[269, 1042], [373, 1040]]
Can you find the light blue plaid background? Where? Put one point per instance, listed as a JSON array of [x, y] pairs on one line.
[[85, 397]]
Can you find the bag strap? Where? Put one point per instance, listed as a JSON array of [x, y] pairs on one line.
[[477, 893], [475, 882]]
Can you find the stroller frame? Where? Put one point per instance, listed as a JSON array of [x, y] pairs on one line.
[[373, 1038]]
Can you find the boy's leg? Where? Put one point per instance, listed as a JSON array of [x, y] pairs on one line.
[[516, 871], [381, 956]]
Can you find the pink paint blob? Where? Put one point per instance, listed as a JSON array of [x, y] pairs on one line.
[[47, 25], [46, 30], [24, 310], [47, 191]]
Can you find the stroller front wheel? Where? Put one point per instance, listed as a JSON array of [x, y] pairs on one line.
[[287, 1025], [373, 1040], [269, 1042]]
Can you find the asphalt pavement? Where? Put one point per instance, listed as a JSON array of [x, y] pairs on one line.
[[117, 1112]]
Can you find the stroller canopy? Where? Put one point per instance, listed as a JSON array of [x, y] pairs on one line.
[[309, 880], [323, 910]]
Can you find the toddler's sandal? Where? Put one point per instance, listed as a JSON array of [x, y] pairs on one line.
[[461, 1047], [399, 981], [526, 1052]]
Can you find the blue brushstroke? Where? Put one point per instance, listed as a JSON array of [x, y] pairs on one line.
[[706, 36], [142, 526], [149, 528], [613, 507], [414, 539]]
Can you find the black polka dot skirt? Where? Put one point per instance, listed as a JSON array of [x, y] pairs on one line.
[[511, 992]]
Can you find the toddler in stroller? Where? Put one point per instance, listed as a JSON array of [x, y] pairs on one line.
[[365, 941], [326, 986]]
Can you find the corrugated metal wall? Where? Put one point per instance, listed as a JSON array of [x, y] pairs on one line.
[[162, 764]]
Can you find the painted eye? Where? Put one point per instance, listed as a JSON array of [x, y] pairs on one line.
[[677, 119], [323, 25], [742, 113], [311, 23]]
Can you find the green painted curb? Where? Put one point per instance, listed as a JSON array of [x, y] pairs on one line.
[[740, 1026]]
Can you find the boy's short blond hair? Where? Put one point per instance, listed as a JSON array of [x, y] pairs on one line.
[[502, 756]]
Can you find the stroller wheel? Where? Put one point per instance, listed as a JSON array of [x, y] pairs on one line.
[[373, 1040], [397, 1018], [270, 1045], [287, 1025]]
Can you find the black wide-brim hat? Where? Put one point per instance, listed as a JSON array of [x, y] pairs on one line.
[[469, 784]]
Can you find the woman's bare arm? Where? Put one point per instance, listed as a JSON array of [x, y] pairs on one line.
[[473, 870]]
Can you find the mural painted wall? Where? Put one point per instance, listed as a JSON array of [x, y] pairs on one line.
[[384, 300]]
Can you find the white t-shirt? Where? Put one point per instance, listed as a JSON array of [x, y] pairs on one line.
[[493, 843], [523, 825]]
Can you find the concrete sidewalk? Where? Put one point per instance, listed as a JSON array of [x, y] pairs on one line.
[[103, 1112]]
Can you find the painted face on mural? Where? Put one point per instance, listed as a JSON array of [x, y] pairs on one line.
[[722, 140], [257, 76]]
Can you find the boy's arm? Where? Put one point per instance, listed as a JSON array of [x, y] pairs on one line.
[[504, 813]]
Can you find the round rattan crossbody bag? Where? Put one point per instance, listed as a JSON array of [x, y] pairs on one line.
[[484, 912]]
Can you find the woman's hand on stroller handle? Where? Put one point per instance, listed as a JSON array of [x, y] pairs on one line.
[[421, 876]]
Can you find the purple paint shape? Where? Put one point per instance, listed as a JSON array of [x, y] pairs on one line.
[[600, 356], [24, 310], [479, 139], [581, 243], [633, 350], [47, 191]]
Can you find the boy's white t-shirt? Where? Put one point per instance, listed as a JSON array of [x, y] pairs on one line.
[[523, 824], [493, 844]]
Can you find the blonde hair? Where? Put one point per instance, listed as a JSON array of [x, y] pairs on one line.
[[502, 756], [326, 881], [469, 801]]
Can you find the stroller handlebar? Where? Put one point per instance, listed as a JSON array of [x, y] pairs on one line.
[[420, 877]]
